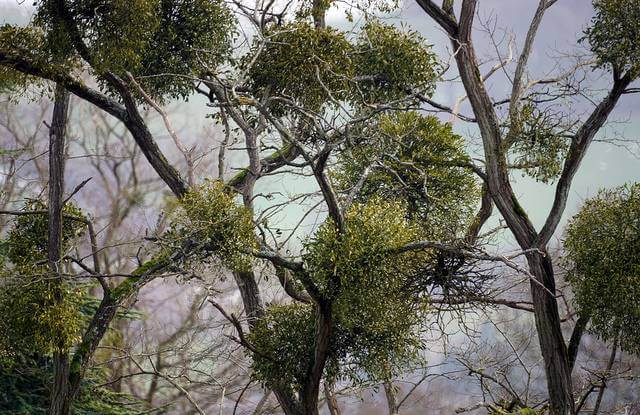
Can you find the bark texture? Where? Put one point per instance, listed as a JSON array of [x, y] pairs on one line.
[[59, 399]]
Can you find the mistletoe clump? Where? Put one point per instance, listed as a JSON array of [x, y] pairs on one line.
[[165, 44], [23, 42], [317, 68], [371, 339], [302, 64], [390, 63], [614, 35], [209, 225], [416, 160], [35, 325], [603, 255], [539, 147], [32, 319]]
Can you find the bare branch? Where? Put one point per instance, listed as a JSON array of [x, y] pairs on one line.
[[186, 153], [440, 16], [579, 145]]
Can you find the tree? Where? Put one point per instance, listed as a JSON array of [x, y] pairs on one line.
[[43, 317], [209, 229], [54, 224], [149, 347], [341, 108], [602, 242], [612, 21]]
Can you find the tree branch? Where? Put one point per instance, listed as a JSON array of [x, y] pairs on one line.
[[440, 16], [577, 151], [516, 89], [128, 113], [53, 73], [576, 337]]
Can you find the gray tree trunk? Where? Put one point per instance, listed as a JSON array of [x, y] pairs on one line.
[[59, 399]]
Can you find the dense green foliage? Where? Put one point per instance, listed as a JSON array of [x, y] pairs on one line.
[[302, 63], [392, 63], [603, 251], [193, 36], [24, 42], [32, 321], [210, 226], [163, 43], [365, 269], [284, 340], [27, 239], [371, 339], [25, 383], [418, 160], [33, 325], [312, 67], [614, 35], [539, 148]]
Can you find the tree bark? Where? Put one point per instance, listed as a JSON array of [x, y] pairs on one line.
[[552, 344], [332, 402], [392, 398], [322, 336], [576, 337], [59, 399]]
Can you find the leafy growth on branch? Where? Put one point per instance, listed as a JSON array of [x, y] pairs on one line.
[[32, 320], [371, 339], [33, 325], [302, 63], [193, 37], [417, 160], [210, 226], [23, 42], [284, 338], [539, 148], [391, 63], [603, 254], [163, 43], [316, 68], [614, 35]]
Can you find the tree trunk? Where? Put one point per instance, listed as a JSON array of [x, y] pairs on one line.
[[322, 337], [250, 293], [392, 399], [332, 402], [552, 344], [253, 309], [59, 399]]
